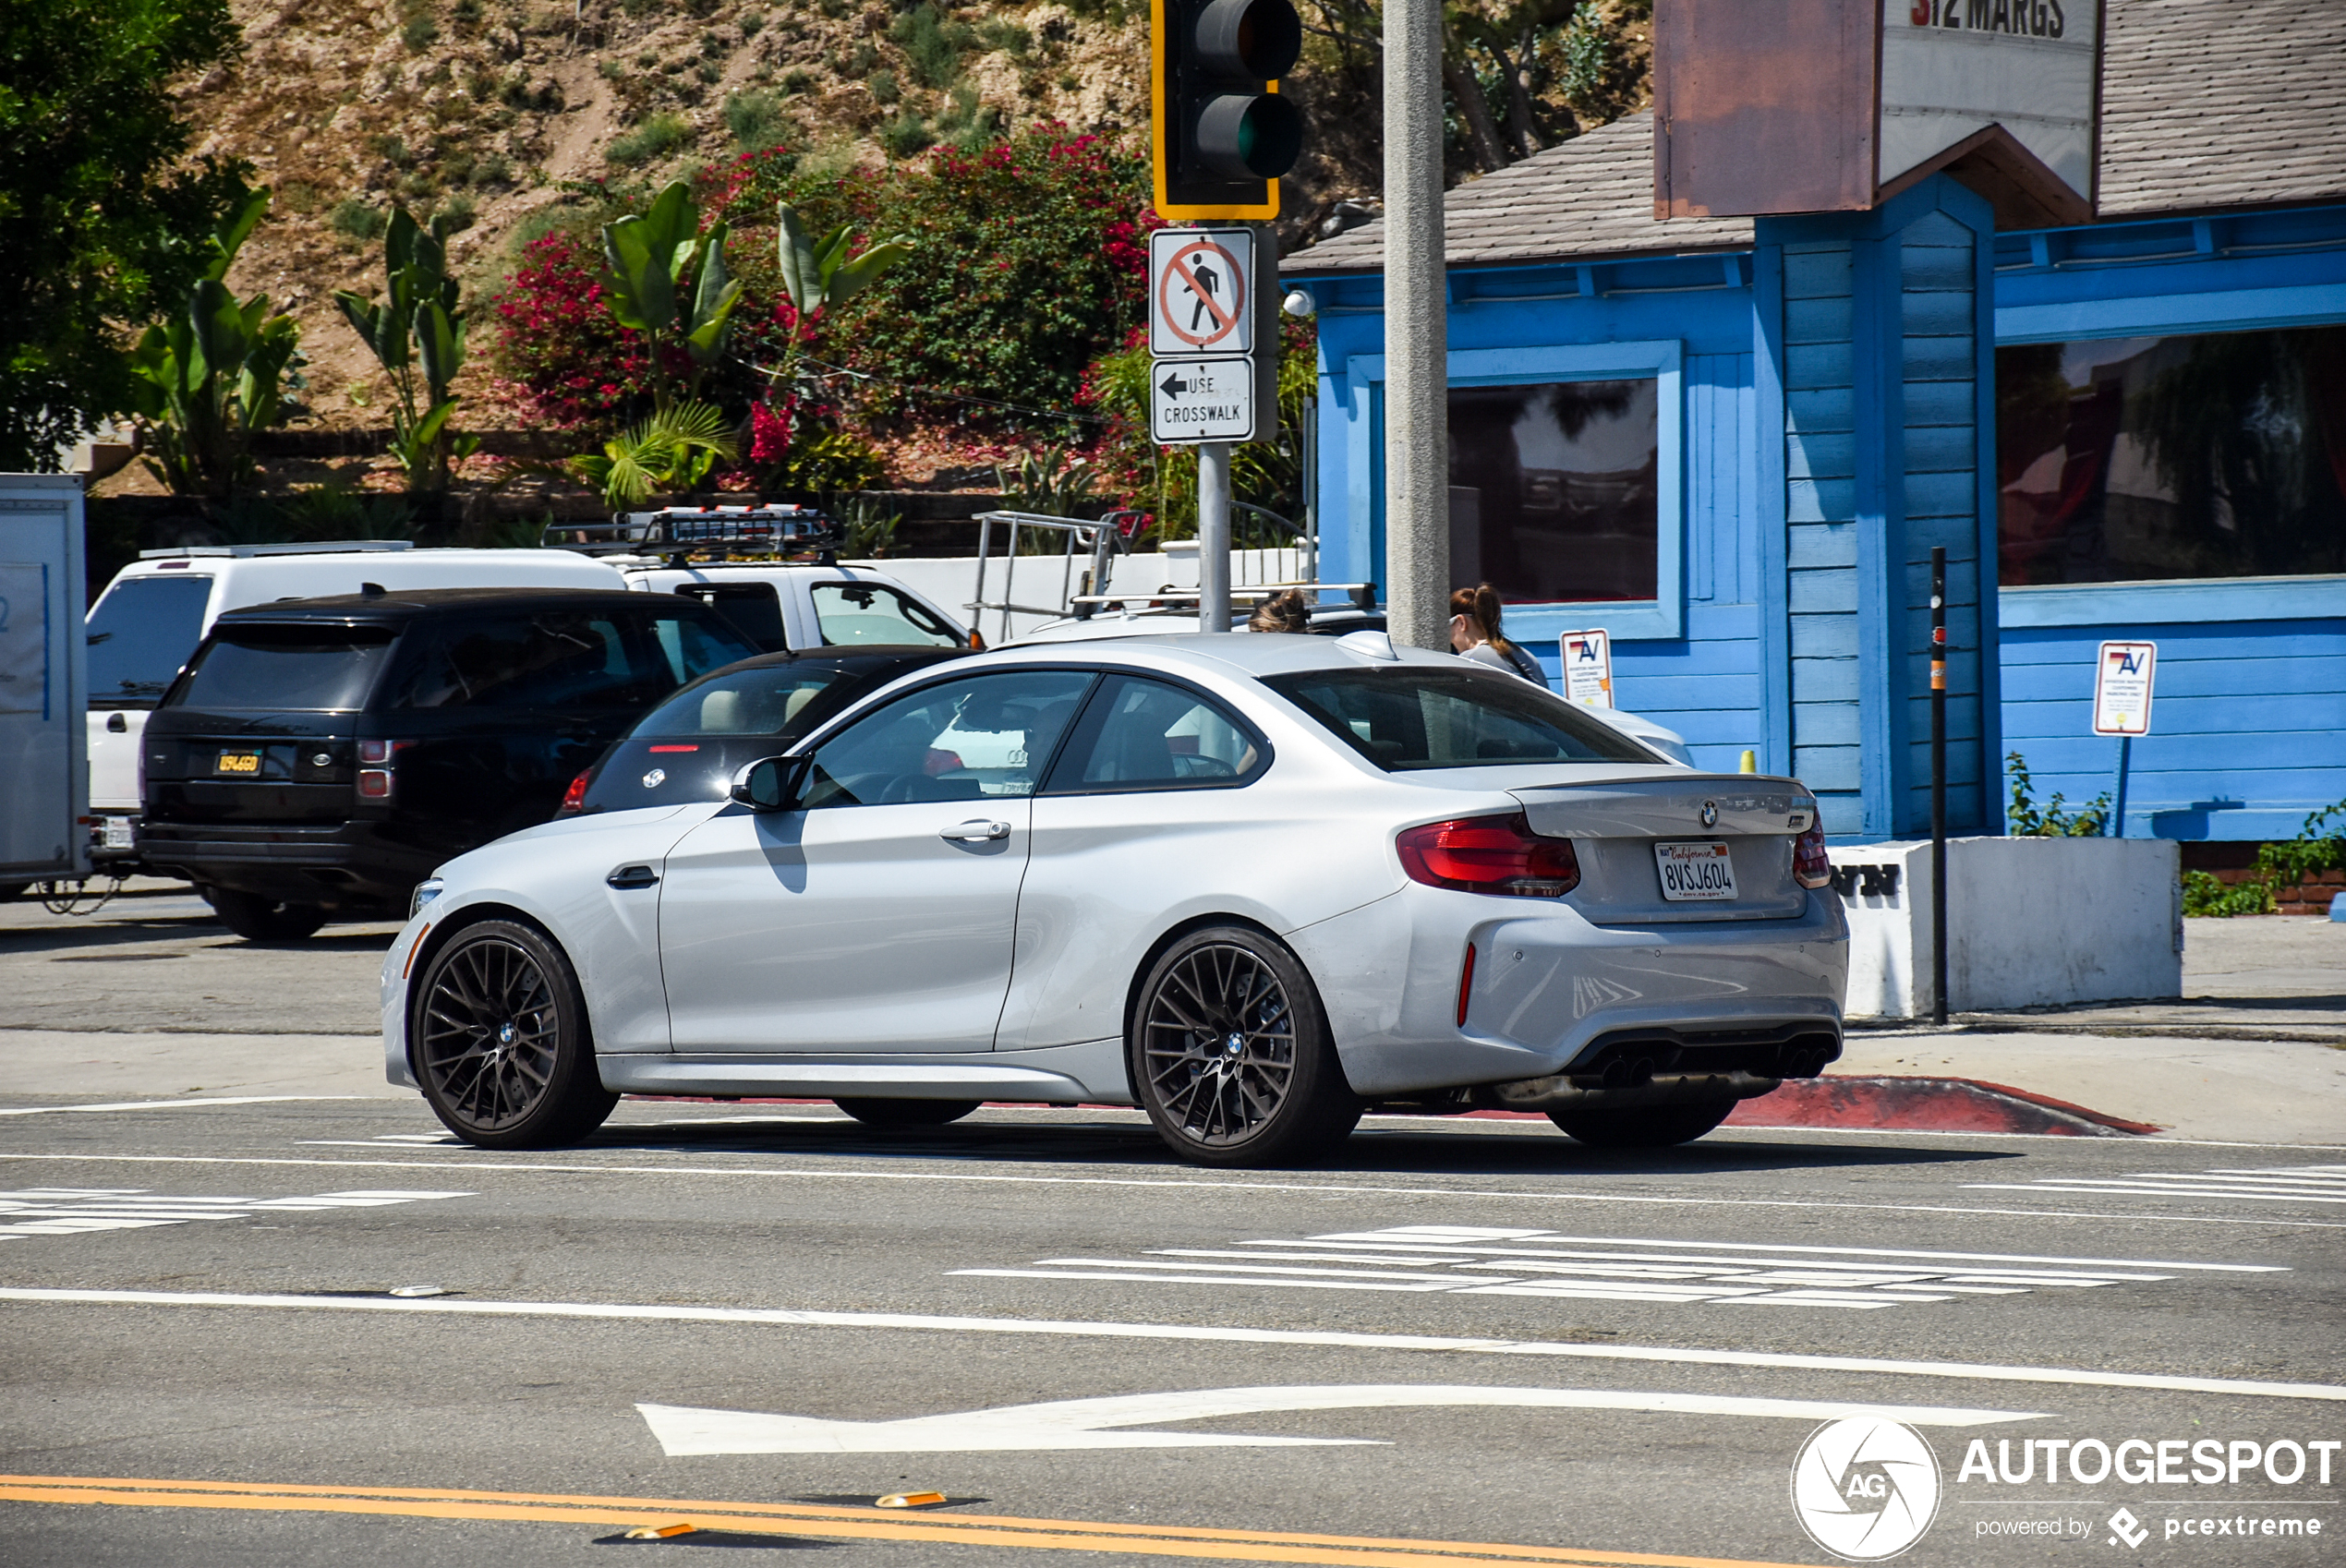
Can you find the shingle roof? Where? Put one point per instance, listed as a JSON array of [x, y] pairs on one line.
[[2242, 104]]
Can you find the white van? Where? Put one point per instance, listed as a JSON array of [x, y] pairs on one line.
[[156, 611]]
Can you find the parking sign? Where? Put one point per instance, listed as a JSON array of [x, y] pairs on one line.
[[2121, 688]]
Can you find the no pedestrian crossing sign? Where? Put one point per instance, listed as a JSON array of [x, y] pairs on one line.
[[1201, 400], [2121, 688], [1201, 292]]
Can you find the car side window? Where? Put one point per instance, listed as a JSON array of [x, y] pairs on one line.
[[971, 739], [852, 613], [1143, 734]]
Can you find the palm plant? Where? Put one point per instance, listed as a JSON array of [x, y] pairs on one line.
[[203, 381], [418, 328], [672, 451]]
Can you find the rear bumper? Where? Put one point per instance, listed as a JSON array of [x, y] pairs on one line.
[[338, 865], [1554, 995]]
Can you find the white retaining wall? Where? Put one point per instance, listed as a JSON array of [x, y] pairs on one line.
[[2030, 922]]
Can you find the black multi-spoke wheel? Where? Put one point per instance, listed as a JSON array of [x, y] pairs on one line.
[[906, 1112], [1230, 1053], [500, 1041], [1644, 1127]]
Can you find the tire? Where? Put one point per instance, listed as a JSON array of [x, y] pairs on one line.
[[907, 1113], [1230, 1054], [257, 919], [1644, 1127], [500, 1041]]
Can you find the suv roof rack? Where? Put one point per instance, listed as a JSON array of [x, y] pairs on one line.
[[245, 552], [708, 533]]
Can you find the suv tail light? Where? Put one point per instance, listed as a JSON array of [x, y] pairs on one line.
[[375, 759], [1810, 867], [1489, 854], [575, 798]]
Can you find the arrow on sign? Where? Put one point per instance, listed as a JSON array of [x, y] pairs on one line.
[[1173, 386], [1098, 1423]]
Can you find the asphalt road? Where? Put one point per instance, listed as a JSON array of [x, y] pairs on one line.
[[1485, 1333]]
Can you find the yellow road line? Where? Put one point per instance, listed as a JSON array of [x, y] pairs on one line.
[[817, 1519]]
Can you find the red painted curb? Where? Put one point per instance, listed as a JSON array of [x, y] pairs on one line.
[[1927, 1105]]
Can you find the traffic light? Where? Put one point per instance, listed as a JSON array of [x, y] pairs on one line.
[[1223, 133]]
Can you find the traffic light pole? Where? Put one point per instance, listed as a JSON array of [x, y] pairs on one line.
[[1417, 455], [1214, 537]]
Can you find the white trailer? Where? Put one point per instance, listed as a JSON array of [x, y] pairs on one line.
[[44, 771]]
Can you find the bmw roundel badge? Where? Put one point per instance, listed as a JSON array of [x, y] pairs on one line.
[[1709, 812], [653, 779]]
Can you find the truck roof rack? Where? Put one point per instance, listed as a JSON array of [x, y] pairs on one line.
[[705, 533], [245, 552]]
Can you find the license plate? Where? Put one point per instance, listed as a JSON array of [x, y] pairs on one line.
[[117, 833], [243, 765], [1696, 871]]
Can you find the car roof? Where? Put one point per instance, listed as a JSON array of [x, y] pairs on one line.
[[406, 604], [1248, 652]]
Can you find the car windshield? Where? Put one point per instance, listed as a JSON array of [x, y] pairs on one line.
[[140, 636], [762, 701], [852, 613], [286, 668], [1407, 718]]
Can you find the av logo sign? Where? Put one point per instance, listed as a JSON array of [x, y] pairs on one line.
[[2121, 688]]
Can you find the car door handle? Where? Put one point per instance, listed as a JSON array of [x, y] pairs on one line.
[[633, 877], [975, 830]]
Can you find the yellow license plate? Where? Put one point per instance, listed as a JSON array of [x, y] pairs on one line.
[[245, 764]]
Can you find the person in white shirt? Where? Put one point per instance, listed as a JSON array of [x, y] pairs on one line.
[[1475, 634]]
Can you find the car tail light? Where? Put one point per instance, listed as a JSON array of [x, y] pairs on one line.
[[1490, 854], [374, 783], [375, 758], [1810, 868], [575, 798]]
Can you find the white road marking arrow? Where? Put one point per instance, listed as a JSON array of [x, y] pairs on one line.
[[1095, 1423]]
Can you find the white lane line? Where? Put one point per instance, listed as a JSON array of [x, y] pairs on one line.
[[1284, 1269], [172, 1104], [2145, 1190], [1063, 1424], [1391, 1261], [772, 1173], [1418, 1285], [785, 1317], [1409, 1232]]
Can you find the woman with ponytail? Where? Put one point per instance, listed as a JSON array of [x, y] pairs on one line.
[[1474, 632]]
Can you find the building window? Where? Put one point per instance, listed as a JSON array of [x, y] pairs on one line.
[[1554, 495], [2216, 454]]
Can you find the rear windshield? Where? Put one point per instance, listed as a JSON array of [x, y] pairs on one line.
[[561, 658], [1407, 718], [861, 613], [140, 634], [764, 701], [302, 668]]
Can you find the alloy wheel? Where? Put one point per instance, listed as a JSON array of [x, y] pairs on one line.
[[1219, 1044], [490, 1033]]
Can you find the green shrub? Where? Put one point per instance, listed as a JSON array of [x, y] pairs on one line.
[[657, 138], [750, 22], [906, 135], [355, 220], [2090, 821], [932, 45], [419, 34], [1006, 37], [457, 213], [2205, 896], [755, 120], [797, 79], [883, 87]]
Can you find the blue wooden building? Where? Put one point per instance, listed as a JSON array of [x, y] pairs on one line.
[[1731, 443]]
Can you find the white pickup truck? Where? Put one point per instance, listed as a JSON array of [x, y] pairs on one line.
[[156, 611]]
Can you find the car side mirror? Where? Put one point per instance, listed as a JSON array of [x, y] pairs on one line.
[[770, 783]]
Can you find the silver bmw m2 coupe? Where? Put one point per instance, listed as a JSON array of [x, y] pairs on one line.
[[1254, 885]]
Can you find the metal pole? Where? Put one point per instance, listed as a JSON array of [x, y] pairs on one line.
[[1214, 537], [1939, 785], [1417, 467], [2118, 808]]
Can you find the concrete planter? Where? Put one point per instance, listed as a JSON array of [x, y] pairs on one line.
[[2030, 922]]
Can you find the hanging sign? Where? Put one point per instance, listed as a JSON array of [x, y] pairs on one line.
[[1587, 657], [2121, 688]]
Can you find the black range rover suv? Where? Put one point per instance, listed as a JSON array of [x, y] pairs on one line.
[[322, 757]]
